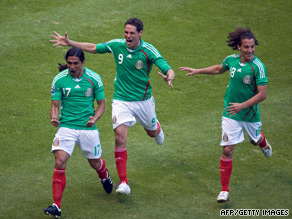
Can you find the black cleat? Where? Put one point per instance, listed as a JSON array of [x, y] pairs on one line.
[[107, 183], [53, 210]]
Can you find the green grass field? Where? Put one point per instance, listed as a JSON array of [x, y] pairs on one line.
[[179, 179]]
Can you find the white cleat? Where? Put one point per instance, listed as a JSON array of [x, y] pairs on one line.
[[160, 137], [267, 150], [123, 189], [223, 197]]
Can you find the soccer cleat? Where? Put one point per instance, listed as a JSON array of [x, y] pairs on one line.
[[160, 137], [223, 197], [267, 150], [107, 183], [53, 210], [123, 189]]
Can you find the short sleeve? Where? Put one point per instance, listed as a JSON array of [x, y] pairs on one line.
[[56, 92], [103, 48], [261, 75], [99, 90], [225, 63]]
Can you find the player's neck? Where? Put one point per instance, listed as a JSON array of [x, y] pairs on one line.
[[80, 74]]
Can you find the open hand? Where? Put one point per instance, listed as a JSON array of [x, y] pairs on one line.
[[191, 71], [60, 40]]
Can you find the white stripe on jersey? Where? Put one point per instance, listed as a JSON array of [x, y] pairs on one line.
[[95, 76], [261, 68], [109, 48], [118, 40], [152, 49], [233, 55], [115, 41], [60, 75]]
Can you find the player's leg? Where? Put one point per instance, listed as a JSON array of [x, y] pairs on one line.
[[158, 133], [100, 166], [258, 138], [62, 147], [232, 134], [265, 146], [123, 118], [145, 114], [58, 183], [59, 177], [121, 156], [89, 143], [225, 172]]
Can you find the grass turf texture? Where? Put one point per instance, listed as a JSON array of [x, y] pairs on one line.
[[179, 179]]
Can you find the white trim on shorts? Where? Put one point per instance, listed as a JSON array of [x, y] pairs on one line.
[[129, 113], [88, 141], [232, 131]]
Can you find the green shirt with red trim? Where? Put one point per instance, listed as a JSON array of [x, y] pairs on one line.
[[244, 79], [133, 68], [77, 97]]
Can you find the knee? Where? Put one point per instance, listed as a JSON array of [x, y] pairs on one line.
[[94, 163], [152, 133], [120, 141], [228, 151], [60, 163], [257, 142], [254, 143], [61, 158]]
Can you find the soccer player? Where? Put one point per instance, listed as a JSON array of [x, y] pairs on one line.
[[247, 88], [132, 100], [75, 88]]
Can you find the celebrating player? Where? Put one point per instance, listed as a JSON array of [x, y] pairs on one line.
[[76, 87], [133, 100], [247, 88]]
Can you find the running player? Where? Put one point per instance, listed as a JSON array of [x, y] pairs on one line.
[[133, 100], [247, 88], [76, 87]]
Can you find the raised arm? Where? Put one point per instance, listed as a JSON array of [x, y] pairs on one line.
[[215, 69], [65, 41]]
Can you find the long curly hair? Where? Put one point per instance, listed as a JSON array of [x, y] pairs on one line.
[[239, 34]]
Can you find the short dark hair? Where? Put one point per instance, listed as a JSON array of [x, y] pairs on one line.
[[74, 51], [135, 22], [240, 33]]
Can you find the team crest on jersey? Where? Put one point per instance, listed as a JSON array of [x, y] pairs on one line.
[[114, 119], [139, 64], [56, 142], [88, 92], [247, 79], [53, 90], [225, 137]]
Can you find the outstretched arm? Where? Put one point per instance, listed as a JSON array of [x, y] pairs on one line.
[[215, 69], [168, 78], [65, 41], [98, 113]]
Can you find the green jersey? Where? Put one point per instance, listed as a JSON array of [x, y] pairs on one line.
[[133, 67], [244, 79], [77, 97]]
